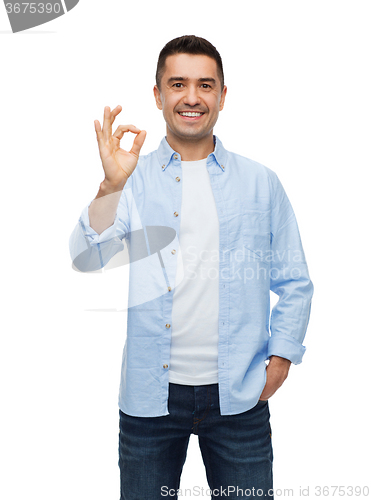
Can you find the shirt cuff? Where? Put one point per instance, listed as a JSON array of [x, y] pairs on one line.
[[285, 346]]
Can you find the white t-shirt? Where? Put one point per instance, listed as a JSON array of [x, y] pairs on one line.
[[194, 340]]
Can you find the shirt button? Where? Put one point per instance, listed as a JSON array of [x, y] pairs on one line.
[[163, 166], [223, 167], [165, 366], [169, 288], [177, 179], [173, 252], [167, 325], [176, 214], [175, 157]]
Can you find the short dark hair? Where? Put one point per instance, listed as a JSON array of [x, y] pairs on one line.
[[188, 44]]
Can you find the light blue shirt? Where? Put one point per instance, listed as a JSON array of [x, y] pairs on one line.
[[259, 250]]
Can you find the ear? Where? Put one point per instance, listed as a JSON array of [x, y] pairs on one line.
[[157, 95], [222, 98]]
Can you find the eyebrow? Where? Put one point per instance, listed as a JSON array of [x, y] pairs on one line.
[[182, 79]]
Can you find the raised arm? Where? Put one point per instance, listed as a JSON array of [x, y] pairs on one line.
[[118, 165], [104, 223]]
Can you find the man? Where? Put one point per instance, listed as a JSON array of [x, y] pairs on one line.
[[198, 337]]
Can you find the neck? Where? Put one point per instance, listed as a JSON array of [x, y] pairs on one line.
[[191, 150]]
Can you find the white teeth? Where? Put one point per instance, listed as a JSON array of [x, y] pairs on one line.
[[190, 114]]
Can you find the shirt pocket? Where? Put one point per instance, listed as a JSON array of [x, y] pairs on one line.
[[256, 230]]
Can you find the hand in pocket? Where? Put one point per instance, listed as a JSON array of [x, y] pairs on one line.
[[277, 371]]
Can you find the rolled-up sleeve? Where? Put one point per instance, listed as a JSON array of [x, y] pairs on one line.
[[289, 279], [91, 251]]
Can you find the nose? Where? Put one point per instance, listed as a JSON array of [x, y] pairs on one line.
[[192, 98]]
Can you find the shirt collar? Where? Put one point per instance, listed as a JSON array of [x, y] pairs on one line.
[[165, 154]]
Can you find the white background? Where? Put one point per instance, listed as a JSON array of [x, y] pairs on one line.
[[298, 101]]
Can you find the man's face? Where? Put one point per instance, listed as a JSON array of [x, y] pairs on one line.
[[190, 84]]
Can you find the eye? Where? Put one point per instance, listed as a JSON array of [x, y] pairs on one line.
[[206, 86], [178, 85]]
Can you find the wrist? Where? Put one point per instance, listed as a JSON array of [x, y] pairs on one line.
[[106, 187], [277, 360]]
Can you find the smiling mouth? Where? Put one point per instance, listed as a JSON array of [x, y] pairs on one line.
[[190, 114]]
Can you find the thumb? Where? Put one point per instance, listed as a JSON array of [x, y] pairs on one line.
[[138, 142]]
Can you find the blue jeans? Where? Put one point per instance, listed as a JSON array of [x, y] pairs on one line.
[[236, 449]]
